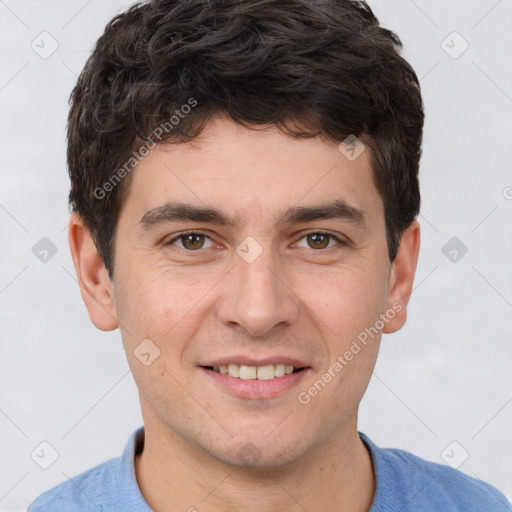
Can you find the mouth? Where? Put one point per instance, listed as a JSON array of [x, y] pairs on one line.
[[247, 372], [251, 382]]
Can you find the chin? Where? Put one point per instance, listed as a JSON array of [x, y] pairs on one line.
[[259, 454]]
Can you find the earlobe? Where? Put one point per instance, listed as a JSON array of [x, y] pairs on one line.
[[402, 277], [95, 285]]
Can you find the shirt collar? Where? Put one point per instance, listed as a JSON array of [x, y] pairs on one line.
[[388, 496], [128, 490]]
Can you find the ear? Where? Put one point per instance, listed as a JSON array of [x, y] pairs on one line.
[[401, 277], [95, 285]]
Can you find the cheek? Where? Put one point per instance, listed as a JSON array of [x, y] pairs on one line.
[[155, 303], [345, 303], [166, 307]]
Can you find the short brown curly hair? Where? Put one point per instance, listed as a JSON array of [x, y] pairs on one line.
[[309, 67]]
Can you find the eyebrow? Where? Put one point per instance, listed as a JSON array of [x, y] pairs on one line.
[[178, 211]]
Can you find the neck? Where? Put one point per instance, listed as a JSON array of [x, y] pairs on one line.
[[174, 475]]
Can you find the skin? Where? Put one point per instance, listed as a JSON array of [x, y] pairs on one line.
[[294, 299]]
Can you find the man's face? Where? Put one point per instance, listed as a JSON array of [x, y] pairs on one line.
[[267, 287]]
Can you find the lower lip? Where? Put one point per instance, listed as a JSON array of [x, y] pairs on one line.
[[253, 388]]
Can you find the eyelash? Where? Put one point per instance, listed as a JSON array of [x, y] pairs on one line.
[[341, 243]]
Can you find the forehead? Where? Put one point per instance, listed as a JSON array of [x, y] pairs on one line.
[[247, 173]]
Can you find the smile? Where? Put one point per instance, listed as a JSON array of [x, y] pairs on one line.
[[266, 372], [255, 382]]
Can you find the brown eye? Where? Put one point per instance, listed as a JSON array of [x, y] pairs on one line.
[[191, 241], [318, 240]]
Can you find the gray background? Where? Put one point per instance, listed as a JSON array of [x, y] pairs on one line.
[[444, 377]]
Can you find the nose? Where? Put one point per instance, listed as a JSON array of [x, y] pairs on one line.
[[257, 297]]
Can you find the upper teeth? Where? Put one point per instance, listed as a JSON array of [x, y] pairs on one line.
[[254, 372]]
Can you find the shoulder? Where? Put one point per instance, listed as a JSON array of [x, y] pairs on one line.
[[425, 486], [109, 486], [85, 492], [446, 484]]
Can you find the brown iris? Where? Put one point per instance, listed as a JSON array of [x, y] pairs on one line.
[[193, 241], [320, 240]]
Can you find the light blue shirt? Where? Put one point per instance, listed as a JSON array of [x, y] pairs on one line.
[[404, 483]]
